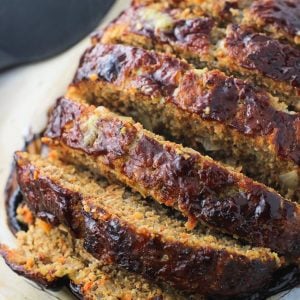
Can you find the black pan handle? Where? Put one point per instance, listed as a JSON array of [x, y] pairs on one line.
[[6, 60], [43, 28]]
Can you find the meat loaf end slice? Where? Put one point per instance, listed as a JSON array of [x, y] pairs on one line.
[[120, 227], [49, 255]]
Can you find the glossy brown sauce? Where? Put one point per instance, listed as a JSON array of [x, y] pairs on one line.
[[205, 192], [284, 14], [283, 279], [274, 59], [242, 107], [108, 237], [188, 33], [13, 195], [212, 96], [201, 194], [184, 267]]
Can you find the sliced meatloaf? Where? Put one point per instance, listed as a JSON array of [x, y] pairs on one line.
[[202, 189], [50, 256], [228, 117], [138, 235], [240, 50], [222, 11], [277, 18]]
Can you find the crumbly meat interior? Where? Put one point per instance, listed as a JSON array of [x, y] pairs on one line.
[[137, 211], [202, 51], [52, 254], [205, 110], [179, 177]]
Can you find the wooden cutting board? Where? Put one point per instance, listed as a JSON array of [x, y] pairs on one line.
[[25, 95]]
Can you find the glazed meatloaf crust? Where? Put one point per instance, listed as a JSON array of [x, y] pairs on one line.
[[202, 189], [239, 49], [222, 10], [277, 18], [120, 227], [50, 256], [117, 212], [228, 117]]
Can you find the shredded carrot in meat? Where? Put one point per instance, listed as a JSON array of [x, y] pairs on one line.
[[43, 225], [87, 286]]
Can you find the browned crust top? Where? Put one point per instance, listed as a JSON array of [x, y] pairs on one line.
[[255, 51], [203, 269], [210, 95], [200, 188], [283, 14], [193, 34]]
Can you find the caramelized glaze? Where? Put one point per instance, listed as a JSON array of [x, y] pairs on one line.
[[211, 95], [255, 51], [193, 268], [283, 14], [200, 188]]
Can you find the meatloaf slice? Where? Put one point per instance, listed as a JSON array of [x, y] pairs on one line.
[[141, 236], [228, 117], [222, 10], [278, 18], [239, 50], [49, 255], [202, 189], [187, 33], [268, 61]]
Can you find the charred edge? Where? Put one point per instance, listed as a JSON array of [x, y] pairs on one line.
[[137, 252], [13, 195], [257, 52], [275, 17], [195, 40], [283, 279], [198, 195], [63, 207]]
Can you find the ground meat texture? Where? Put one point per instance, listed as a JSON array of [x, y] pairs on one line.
[[200, 188]]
